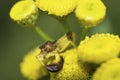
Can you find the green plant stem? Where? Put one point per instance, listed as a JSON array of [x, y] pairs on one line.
[[84, 33], [42, 34], [64, 23]]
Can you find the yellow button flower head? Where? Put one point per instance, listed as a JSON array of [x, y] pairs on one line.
[[31, 68], [99, 48], [108, 71], [71, 69], [57, 7], [24, 12], [90, 12]]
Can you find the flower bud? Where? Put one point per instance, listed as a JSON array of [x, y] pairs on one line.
[[24, 12], [90, 12]]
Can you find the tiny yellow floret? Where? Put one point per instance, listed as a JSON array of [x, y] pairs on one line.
[[24, 12], [31, 68], [72, 69], [90, 12], [108, 71], [57, 7], [99, 48]]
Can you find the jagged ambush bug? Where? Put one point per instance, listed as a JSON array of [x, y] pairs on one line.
[[50, 58], [50, 52]]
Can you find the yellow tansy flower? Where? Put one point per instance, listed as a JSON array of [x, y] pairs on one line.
[[24, 12], [31, 68], [57, 7], [108, 71], [90, 12], [72, 70], [99, 48]]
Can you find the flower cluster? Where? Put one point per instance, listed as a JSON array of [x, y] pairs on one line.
[[56, 7], [30, 66], [24, 12], [95, 57], [75, 63], [88, 12], [99, 48], [72, 69], [108, 71]]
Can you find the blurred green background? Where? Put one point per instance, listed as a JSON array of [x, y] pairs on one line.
[[16, 41]]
